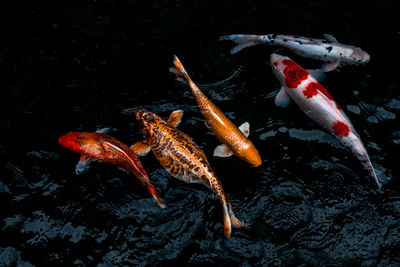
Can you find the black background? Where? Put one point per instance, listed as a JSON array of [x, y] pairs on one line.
[[84, 65]]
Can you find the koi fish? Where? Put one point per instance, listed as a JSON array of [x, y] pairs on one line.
[[327, 49], [105, 148], [234, 140], [315, 101], [181, 157]]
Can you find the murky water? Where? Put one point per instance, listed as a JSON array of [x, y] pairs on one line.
[[89, 65]]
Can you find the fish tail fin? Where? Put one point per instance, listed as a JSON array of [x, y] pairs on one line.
[[366, 162], [235, 221], [227, 220], [243, 41], [180, 71], [183, 76], [154, 193]]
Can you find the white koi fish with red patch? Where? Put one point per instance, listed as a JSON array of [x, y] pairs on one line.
[[315, 101], [327, 49]]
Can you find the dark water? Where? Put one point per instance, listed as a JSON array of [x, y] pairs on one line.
[[84, 65]]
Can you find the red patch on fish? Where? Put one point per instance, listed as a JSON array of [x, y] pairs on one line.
[[338, 107], [311, 89], [340, 129], [294, 74], [275, 64], [69, 141]]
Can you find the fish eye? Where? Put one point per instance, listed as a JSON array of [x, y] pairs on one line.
[[359, 60], [148, 117]]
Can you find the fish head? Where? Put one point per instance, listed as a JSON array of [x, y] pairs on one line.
[[278, 66], [287, 71], [70, 141], [359, 56], [148, 120]]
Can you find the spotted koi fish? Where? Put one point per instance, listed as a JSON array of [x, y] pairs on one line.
[[315, 101], [105, 148], [327, 49], [234, 140], [181, 157]]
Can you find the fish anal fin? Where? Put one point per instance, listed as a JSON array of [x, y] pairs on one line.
[[141, 148], [83, 165], [223, 151], [318, 74], [282, 99], [329, 66], [175, 118], [245, 128], [330, 37]]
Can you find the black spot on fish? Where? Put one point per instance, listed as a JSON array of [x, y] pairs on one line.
[[329, 48], [299, 42], [325, 55], [341, 54], [284, 40], [274, 36], [326, 42]]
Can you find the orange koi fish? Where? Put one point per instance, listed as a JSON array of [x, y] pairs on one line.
[[105, 148], [181, 157], [234, 140]]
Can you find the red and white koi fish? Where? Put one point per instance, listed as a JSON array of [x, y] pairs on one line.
[[105, 148], [315, 101], [234, 140], [327, 49]]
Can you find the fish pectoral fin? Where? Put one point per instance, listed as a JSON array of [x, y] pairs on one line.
[[175, 118], [330, 37], [245, 128], [104, 130], [223, 151], [207, 125], [141, 148], [318, 74], [82, 166], [329, 66], [282, 99]]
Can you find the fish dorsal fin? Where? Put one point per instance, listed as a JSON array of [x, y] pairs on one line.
[[223, 151], [282, 99], [175, 118], [141, 148], [118, 151], [83, 165], [245, 128], [330, 37], [331, 102]]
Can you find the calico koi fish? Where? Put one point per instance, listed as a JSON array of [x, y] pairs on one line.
[[234, 140], [181, 157], [315, 101], [327, 49], [105, 148]]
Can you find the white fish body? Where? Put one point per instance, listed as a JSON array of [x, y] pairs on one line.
[[328, 49], [313, 99]]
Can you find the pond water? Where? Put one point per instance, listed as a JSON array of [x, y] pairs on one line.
[[87, 65]]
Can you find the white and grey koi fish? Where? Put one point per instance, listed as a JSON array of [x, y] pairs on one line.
[[315, 101], [327, 49]]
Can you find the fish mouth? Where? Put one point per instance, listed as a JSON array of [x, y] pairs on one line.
[[274, 57]]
